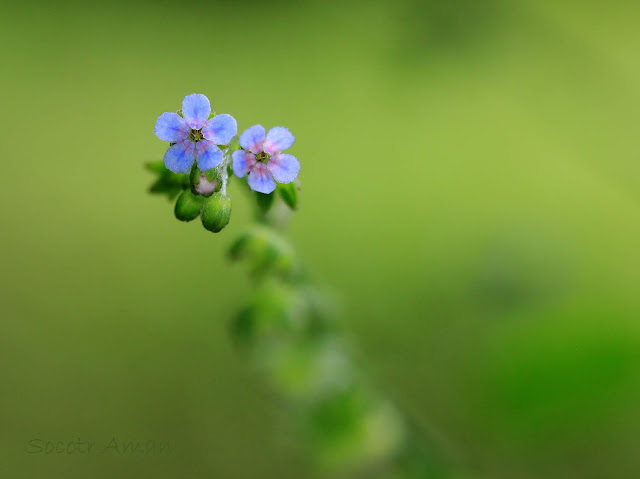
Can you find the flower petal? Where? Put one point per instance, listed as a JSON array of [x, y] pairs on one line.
[[171, 127], [260, 179], [180, 157], [242, 162], [208, 155], [196, 110], [278, 139], [252, 138], [204, 186], [220, 129], [284, 168]]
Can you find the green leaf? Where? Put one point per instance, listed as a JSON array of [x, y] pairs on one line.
[[270, 313], [289, 194], [265, 251], [194, 177], [167, 183], [188, 206], [265, 201], [156, 166]]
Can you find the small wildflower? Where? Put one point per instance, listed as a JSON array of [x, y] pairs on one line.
[[262, 158], [195, 135]]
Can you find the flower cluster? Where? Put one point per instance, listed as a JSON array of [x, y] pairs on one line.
[[200, 144], [194, 135], [262, 158]]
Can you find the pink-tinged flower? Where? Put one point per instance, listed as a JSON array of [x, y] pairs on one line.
[[195, 135], [262, 158]]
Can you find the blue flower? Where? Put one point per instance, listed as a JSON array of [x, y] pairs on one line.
[[195, 136], [262, 158]]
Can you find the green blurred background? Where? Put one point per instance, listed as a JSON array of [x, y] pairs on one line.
[[470, 194]]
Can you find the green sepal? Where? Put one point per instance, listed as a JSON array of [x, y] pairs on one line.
[[213, 174], [188, 206], [216, 212], [265, 202], [289, 194], [195, 177]]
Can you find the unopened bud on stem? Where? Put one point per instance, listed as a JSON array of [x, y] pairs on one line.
[[204, 182], [216, 212], [188, 206]]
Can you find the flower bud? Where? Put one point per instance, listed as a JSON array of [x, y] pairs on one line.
[[204, 183], [188, 206], [216, 212]]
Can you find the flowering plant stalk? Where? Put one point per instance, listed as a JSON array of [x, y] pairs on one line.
[[288, 327]]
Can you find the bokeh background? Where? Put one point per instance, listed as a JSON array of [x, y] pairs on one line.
[[470, 195]]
